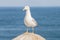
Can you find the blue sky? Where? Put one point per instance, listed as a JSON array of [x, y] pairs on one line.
[[38, 3]]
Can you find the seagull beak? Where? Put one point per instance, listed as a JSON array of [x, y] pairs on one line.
[[23, 9]]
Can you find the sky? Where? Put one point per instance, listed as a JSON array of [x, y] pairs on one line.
[[33, 3]]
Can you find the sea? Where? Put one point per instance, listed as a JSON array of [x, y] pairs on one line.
[[12, 22]]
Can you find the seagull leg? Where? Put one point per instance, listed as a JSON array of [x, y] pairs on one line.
[[27, 29], [33, 29]]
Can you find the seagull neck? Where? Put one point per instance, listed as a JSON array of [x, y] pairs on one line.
[[28, 13]]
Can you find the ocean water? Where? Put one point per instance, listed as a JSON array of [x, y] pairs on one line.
[[12, 25]]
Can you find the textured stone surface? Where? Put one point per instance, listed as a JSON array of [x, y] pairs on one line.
[[29, 36]]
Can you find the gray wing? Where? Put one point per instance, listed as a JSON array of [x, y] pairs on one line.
[[34, 21]]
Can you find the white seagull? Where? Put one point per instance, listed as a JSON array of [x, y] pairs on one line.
[[29, 21]]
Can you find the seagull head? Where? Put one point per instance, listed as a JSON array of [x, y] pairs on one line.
[[26, 8]]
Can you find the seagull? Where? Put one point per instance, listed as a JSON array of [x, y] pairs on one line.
[[29, 21]]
